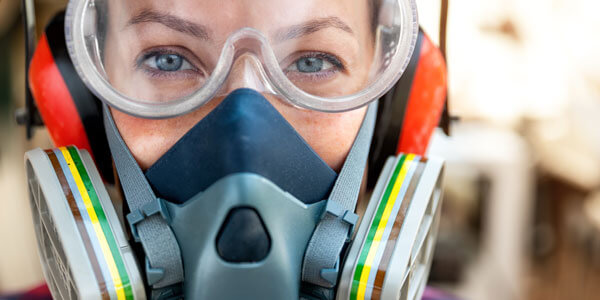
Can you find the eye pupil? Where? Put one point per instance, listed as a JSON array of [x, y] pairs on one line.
[[169, 62], [309, 64]]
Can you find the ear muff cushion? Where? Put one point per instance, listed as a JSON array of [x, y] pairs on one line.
[[71, 113], [411, 110]]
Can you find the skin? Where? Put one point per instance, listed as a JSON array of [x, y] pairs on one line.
[[330, 134]]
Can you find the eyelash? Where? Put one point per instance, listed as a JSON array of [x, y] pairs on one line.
[[338, 66], [326, 56], [156, 73]]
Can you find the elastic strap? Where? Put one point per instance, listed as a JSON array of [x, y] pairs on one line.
[[148, 218], [321, 260]]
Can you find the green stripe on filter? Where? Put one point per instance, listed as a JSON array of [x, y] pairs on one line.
[[114, 249], [356, 282], [383, 218]]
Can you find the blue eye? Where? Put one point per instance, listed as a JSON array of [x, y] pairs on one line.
[[314, 63], [167, 62], [310, 64]]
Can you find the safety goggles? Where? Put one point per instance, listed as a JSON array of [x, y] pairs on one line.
[[160, 59]]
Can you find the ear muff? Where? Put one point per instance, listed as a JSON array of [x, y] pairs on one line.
[[411, 110], [71, 113], [407, 114]]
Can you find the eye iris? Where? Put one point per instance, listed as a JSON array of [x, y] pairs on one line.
[[309, 64], [169, 62]]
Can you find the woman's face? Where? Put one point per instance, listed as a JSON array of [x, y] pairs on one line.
[[160, 50]]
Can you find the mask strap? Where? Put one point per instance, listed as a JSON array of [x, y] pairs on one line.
[[321, 261], [149, 219]]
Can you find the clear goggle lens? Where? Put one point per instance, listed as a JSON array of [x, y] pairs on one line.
[[157, 59]]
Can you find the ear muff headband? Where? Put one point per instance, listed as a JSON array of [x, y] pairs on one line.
[[70, 111]]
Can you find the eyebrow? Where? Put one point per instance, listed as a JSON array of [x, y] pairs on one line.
[[200, 31], [171, 21], [312, 26]]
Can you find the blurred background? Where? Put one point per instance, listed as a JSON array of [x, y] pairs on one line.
[[521, 214]]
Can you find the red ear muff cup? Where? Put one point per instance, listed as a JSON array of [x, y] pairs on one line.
[[71, 113], [54, 101], [411, 110], [426, 101]]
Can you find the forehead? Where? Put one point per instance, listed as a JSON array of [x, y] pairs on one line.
[[223, 16]]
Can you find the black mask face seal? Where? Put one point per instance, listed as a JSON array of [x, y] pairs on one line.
[[244, 134]]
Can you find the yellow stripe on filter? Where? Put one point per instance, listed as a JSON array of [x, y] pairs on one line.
[[96, 224], [382, 224]]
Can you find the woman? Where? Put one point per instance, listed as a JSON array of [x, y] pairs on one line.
[[240, 132]]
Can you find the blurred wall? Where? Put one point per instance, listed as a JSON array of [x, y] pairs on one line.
[[525, 82], [19, 264]]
